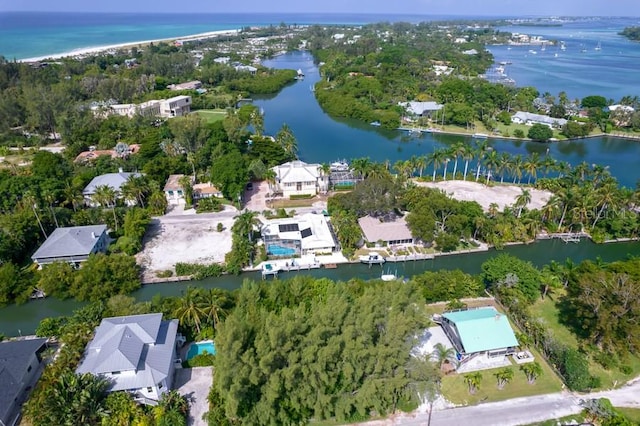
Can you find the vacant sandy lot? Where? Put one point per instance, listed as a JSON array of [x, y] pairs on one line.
[[185, 237], [502, 195]]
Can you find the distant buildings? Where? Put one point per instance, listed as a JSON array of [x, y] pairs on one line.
[[136, 353], [177, 106], [189, 85], [174, 192], [72, 244], [121, 150]]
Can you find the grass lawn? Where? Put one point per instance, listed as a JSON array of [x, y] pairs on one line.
[[286, 204], [632, 414], [211, 115], [454, 388], [547, 310]]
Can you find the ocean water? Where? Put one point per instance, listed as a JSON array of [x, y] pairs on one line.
[[33, 34], [581, 69]]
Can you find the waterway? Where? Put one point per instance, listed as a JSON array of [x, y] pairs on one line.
[[23, 319], [322, 139]]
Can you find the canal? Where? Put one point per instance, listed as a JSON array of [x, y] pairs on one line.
[[23, 319]]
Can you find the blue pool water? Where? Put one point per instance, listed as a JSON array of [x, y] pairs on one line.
[[277, 250], [200, 348]]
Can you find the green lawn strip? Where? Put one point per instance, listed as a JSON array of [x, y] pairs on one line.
[[632, 414], [574, 419], [211, 115], [548, 311], [455, 390]]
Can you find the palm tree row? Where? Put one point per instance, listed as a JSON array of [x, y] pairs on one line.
[[200, 306]]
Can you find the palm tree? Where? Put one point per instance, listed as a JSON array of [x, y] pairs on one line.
[[531, 165], [516, 168], [504, 163], [473, 381], [467, 156], [492, 160], [361, 166], [436, 158], [446, 163], [187, 186], [287, 140], [106, 196], [191, 159], [458, 149], [158, 203], [443, 355], [72, 197], [189, 310], [212, 304], [522, 200], [532, 370], [50, 198], [606, 197], [481, 150], [421, 163], [549, 281], [257, 122], [135, 189], [29, 201], [504, 376]]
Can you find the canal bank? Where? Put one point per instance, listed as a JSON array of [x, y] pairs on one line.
[[23, 319]]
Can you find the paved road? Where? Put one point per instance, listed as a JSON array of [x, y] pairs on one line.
[[516, 411]]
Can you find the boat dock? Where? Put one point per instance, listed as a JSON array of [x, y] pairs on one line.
[[405, 257], [273, 267], [567, 237]]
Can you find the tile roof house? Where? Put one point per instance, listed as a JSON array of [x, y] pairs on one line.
[[73, 244], [297, 178], [388, 232], [19, 370], [137, 353], [112, 180]]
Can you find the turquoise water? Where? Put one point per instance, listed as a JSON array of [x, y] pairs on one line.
[[277, 250], [199, 348]]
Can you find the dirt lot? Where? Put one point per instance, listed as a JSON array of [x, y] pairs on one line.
[[502, 195], [185, 237]]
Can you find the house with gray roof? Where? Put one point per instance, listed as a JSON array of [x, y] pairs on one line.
[[136, 353], [528, 118], [298, 178], [422, 109], [112, 180], [19, 370], [386, 231], [72, 244]]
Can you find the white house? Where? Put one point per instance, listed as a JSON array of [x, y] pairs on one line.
[[136, 353], [425, 109], [522, 117], [300, 235], [112, 180], [298, 178], [177, 106]]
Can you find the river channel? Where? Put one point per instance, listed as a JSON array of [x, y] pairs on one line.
[[322, 139]]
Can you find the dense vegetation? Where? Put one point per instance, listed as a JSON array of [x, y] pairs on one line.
[[632, 33]]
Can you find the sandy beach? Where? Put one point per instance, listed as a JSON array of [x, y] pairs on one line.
[[98, 49], [502, 195]]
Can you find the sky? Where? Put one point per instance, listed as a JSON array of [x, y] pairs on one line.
[[418, 7]]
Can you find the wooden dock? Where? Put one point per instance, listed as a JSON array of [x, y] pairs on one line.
[[330, 266]]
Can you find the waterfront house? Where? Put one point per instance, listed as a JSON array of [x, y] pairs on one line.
[[112, 180], [176, 106], [136, 353], [306, 234], [20, 362], [386, 231], [482, 335], [298, 178], [522, 117], [72, 244], [421, 109], [189, 85]]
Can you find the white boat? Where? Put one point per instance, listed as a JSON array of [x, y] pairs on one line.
[[372, 258], [480, 135], [533, 52], [598, 47], [375, 123], [339, 166], [388, 276]]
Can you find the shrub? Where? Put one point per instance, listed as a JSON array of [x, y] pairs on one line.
[[199, 272], [202, 360], [220, 227], [301, 196], [164, 274], [626, 369], [518, 133]]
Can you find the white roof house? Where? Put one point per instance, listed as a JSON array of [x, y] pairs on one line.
[[112, 180], [308, 233], [389, 232], [73, 244], [625, 108], [528, 118], [137, 353], [297, 178], [421, 108]]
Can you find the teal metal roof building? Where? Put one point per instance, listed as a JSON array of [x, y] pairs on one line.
[[479, 330]]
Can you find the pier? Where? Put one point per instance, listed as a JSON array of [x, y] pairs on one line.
[[567, 237]]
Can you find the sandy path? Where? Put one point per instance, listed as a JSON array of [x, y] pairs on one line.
[[502, 195]]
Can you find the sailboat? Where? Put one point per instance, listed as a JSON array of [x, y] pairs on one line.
[[598, 46], [388, 276]]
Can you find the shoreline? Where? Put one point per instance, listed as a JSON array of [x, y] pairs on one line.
[[84, 51]]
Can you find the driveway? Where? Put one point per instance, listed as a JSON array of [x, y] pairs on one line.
[[194, 383], [256, 198]]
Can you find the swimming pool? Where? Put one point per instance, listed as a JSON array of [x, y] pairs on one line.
[[278, 250], [199, 348]]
